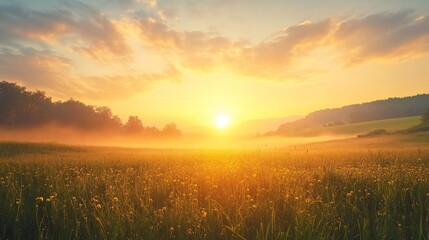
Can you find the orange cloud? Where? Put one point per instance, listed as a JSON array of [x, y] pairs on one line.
[[34, 68], [118, 86], [383, 36], [196, 50], [273, 58], [96, 32], [45, 70], [282, 56]]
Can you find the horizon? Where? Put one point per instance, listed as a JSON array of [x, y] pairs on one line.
[[245, 60], [33, 116], [288, 118]]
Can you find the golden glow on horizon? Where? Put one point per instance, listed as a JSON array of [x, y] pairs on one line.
[[222, 121]]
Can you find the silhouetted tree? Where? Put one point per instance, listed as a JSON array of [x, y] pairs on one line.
[[171, 130], [134, 125], [20, 108]]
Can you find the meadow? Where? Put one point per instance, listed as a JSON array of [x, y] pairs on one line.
[[353, 129], [50, 191]]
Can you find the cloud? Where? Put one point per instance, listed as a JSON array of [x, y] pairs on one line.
[[118, 86], [53, 73], [195, 49], [204, 51], [19, 24], [385, 36], [34, 68], [274, 57], [31, 40], [26, 55], [85, 29]]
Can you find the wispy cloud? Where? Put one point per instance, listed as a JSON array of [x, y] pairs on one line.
[[383, 36], [41, 47], [85, 30], [273, 58], [42, 69], [34, 68]]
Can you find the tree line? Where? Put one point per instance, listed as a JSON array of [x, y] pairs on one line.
[[371, 111], [21, 109]]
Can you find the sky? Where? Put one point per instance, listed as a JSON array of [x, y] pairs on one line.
[[189, 61]]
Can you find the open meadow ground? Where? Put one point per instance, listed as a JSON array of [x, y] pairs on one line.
[[353, 129], [61, 192]]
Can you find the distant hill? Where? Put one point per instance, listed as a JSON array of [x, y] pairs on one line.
[[263, 125], [376, 110]]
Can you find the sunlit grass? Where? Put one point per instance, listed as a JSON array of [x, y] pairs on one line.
[[390, 125], [65, 193]]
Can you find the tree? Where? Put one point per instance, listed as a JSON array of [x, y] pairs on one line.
[[106, 118], [171, 130], [134, 125], [20, 109]]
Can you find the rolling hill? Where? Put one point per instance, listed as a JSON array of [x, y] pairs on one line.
[[358, 113]]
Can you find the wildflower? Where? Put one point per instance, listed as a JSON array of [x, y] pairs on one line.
[[171, 229], [190, 232], [39, 199], [115, 199], [18, 201], [98, 206]]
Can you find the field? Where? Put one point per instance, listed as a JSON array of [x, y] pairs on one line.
[[354, 129], [60, 192]]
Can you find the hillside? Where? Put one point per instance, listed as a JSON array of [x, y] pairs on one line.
[[354, 129], [262, 125], [371, 111]]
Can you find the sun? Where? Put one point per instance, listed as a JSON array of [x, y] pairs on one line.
[[222, 121]]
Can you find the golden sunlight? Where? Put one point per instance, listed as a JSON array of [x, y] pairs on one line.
[[222, 121]]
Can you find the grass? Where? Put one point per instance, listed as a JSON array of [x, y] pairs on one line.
[[390, 125], [60, 192], [10, 149]]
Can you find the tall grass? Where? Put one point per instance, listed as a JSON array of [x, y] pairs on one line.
[[124, 194]]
